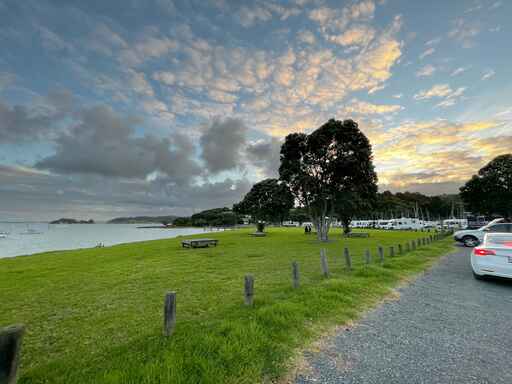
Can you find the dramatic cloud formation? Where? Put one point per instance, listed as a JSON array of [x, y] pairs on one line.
[[170, 107]]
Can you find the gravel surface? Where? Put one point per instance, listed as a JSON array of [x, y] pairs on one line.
[[446, 327]]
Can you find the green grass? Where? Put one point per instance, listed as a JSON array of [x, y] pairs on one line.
[[95, 315]]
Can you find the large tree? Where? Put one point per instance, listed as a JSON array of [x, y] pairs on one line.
[[490, 192], [268, 200], [327, 166]]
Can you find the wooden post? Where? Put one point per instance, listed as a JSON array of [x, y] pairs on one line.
[[413, 244], [391, 251], [249, 290], [367, 257], [423, 241], [408, 247], [10, 347], [400, 250], [169, 313], [381, 255], [323, 263], [295, 275], [348, 259]]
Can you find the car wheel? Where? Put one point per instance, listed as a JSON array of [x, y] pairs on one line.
[[478, 277], [470, 241]]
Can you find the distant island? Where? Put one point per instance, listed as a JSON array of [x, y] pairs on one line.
[[72, 221], [165, 220]]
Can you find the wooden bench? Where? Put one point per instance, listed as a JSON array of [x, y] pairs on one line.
[[198, 243], [356, 234]]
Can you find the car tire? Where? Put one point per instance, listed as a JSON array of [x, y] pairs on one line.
[[478, 277], [470, 241]]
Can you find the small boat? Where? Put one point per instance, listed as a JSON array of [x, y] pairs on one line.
[[3, 236]]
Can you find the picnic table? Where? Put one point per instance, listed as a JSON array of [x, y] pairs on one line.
[[198, 243]]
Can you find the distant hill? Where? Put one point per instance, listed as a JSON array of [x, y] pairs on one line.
[[142, 220], [71, 221]]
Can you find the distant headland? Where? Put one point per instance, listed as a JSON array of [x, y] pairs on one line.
[[72, 221]]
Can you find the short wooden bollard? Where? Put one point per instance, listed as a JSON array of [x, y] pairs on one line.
[[348, 259], [367, 257], [169, 313], [391, 251], [407, 247], [249, 290], [413, 245], [431, 238], [323, 263], [10, 347], [400, 249], [423, 241], [295, 275], [381, 255]]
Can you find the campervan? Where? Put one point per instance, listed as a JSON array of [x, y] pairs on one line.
[[405, 223]]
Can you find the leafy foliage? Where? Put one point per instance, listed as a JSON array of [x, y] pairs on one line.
[[490, 192], [217, 217], [326, 168], [268, 200]]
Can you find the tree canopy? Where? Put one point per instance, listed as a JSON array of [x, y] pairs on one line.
[[268, 200], [327, 166], [490, 191]]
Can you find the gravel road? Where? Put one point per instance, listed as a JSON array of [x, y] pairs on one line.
[[446, 327]]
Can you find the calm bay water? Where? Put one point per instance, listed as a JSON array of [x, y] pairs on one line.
[[26, 239]]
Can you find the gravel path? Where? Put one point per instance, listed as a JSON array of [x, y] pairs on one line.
[[446, 327]]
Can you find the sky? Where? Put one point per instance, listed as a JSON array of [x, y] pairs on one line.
[[123, 107]]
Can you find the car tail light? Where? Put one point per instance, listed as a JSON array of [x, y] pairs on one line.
[[483, 252], [508, 244]]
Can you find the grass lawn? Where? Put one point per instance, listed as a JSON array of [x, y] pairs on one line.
[[95, 315]]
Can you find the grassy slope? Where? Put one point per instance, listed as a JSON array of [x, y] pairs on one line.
[[95, 316]]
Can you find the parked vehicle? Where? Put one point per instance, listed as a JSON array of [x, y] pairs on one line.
[[494, 256], [291, 224], [404, 223], [307, 224], [455, 223], [473, 237]]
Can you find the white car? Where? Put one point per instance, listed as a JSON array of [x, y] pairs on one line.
[[473, 237], [493, 257]]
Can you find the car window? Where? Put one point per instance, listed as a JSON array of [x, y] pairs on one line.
[[499, 240], [499, 228]]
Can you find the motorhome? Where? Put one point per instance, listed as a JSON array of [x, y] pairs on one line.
[[404, 223]]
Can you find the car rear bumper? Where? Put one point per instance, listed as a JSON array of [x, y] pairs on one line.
[[484, 267]]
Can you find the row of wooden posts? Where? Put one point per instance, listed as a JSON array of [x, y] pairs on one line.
[[170, 298], [11, 337]]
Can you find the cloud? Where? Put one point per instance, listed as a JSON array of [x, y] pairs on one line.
[[435, 41], [404, 156], [248, 17], [459, 70], [427, 52], [441, 91], [496, 5], [358, 35], [465, 32], [488, 74], [222, 143], [166, 78], [306, 36], [38, 121], [6, 80], [359, 107], [427, 70], [265, 155], [103, 143]]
